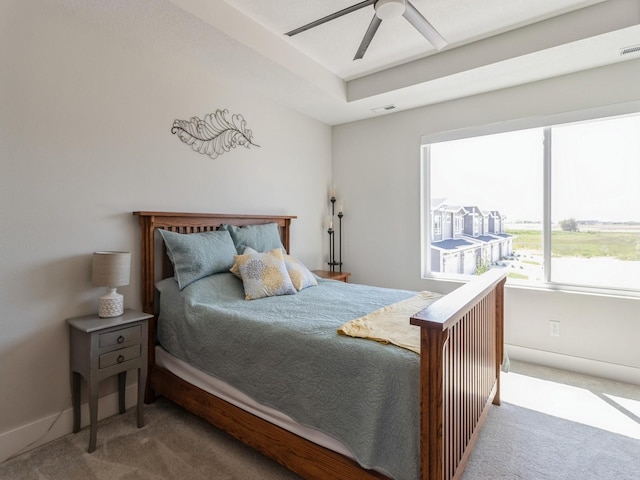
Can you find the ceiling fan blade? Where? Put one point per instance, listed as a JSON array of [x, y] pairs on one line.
[[333, 16], [421, 24], [368, 36]]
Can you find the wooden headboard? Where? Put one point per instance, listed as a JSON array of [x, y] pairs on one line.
[[153, 253]]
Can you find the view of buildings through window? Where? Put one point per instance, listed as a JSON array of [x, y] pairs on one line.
[[486, 198]]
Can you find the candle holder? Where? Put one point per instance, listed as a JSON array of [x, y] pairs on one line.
[[332, 239], [340, 215], [330, 263]]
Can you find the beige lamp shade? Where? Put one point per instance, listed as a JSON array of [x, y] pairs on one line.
[[111, 269]]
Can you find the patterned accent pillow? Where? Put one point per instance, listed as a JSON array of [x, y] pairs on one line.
[[300, 275], [264, 274], [235, 269]]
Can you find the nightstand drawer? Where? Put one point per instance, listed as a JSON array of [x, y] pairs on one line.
[[117, 337], [119, 356]]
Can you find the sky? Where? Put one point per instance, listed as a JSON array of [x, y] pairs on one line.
[[595, 171]]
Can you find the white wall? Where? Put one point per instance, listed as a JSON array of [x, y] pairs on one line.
[[85, 119], [376, 165]]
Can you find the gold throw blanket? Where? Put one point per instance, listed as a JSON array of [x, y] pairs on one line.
[[390, 324]]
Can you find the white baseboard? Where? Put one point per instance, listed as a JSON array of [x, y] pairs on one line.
[[30, 436], [585, 366]]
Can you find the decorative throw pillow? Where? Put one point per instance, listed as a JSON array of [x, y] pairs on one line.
[[264, 274], [262, 238], [198, 255], [301, 276], [235, 269]]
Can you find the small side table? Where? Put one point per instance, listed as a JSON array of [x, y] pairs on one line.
[[340, 276], [101, 348]]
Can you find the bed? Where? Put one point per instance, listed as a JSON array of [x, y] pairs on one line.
[[457, 373]]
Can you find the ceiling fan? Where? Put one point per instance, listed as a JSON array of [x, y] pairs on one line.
[[384, 10]]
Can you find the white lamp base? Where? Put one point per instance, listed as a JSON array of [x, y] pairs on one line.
[[111, 304]]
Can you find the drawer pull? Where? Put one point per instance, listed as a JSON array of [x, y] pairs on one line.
[[121, 356], [120, 336]]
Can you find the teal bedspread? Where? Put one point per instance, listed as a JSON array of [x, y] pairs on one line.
[[285, 352]]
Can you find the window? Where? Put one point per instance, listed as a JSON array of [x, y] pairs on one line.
[[557, 205], [458, 224], [595, 203], [437, 228]]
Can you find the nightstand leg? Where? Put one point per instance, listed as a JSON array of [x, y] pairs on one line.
[[122, 384], [75, 399], [142, 382], [93, 416]]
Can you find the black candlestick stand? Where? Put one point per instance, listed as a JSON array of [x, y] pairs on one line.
[[332, 240], [340, 215], [331, 263]]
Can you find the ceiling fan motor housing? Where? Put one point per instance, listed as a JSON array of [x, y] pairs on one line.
[[387, 9]]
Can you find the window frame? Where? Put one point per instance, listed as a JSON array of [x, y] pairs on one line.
[[546, 123]]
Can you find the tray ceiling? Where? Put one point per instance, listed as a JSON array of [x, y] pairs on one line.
[[334, 44]]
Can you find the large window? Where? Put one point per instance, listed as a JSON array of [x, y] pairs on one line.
[[557, 205]]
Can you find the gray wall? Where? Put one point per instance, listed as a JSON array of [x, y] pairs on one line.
[[85, 139], [376, 166]]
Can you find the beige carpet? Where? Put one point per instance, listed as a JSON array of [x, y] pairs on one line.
[[173, 444], [552, 425]]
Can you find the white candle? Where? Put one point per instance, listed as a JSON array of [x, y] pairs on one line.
[[341, 206], [332, 193], [330, 222]]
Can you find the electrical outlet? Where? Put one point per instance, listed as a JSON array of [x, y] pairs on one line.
[[554, 328]]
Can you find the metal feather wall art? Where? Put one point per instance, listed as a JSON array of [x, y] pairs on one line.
[[215, 134]]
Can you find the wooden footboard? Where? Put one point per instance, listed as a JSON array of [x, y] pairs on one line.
[[461, 356], [462, 349]]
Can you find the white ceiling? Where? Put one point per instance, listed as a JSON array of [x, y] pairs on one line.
[[334, 44], [493, 44]]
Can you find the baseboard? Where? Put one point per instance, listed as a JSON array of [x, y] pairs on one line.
[[596, 368], [28, 437]]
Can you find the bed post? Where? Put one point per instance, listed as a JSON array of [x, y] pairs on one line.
[[147, 292], [432, 343], [499, 309], [146, 262]]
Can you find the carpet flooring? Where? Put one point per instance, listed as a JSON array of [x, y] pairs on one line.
[[552, 425]]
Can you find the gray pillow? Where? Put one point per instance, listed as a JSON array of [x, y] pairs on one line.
[[198, 255], [262, 238]]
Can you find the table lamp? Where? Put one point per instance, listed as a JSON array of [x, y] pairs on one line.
[[111, 270]]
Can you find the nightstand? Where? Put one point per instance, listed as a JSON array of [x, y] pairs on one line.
[[101, 348], [340, 276]]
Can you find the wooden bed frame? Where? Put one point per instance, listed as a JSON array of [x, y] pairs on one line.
[[462, 351]]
